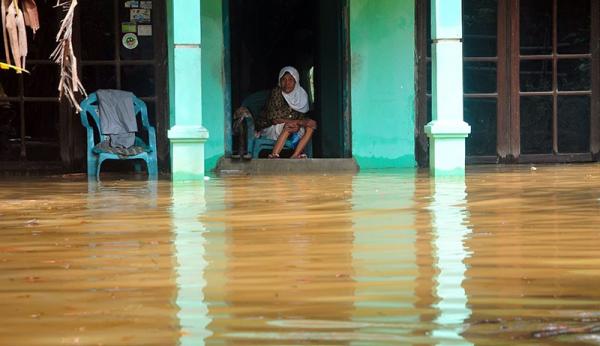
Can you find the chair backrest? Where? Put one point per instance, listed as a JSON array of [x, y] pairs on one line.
[[255, 102], [89, 106]]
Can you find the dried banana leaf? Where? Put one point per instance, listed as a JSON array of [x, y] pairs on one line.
[[69, 84]]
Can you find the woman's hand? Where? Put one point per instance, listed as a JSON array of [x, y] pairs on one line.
[[309, 123], [292, 126], [241, 112]]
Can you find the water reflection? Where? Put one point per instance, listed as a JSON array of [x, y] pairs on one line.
[[189, 252], [508, 255], [84, 265], [107, 195], [384, 255], [449, 217]]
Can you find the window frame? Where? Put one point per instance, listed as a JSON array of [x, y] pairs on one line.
[[508, 93]]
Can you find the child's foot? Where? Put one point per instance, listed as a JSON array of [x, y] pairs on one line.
[[273, 156]]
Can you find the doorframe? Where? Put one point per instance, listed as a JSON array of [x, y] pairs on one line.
[[346, 111], [346, 80], [227, 93], [421, 103]]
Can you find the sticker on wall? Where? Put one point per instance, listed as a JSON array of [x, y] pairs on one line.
[[130, 41], [144, 30], [132, 4], [128, 27], [146, 4], [140, 15]]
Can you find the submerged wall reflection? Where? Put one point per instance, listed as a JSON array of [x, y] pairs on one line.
[[384, 256], [357, 259]]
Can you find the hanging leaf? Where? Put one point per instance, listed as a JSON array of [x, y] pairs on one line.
[[69, 84]]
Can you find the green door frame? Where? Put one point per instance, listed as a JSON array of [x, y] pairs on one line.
[[228, 133]]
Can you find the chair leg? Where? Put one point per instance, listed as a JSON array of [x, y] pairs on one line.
[[137, 166], [256, 150], [100, 160], [250, 146], [309, 149], [236, 155], [242, 139], [92, 165], [152, 164]]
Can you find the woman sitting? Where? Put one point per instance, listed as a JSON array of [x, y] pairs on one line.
[[284, 114]]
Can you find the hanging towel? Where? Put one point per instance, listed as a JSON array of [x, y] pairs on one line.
[[117, 117]]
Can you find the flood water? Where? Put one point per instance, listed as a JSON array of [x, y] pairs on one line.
[[505, 255]]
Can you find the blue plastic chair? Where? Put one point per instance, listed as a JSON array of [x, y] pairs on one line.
[[255, 103], [89, 109]]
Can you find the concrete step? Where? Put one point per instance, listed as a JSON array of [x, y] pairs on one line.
[[285, 166]]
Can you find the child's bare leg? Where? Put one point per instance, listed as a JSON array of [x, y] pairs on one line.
[[308, 132], [280, 143]]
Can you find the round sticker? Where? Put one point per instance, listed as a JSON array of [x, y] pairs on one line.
[[130, 40]]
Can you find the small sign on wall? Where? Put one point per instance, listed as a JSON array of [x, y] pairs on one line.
[[128, 27], [130, 41], [144, 30], [140, 15], [132, 4]]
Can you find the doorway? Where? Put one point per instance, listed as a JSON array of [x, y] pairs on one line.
[[311, 35]]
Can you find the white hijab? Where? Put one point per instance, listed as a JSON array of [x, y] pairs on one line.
[[297, 98]]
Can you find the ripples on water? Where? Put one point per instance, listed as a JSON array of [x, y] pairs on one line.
[[507, 255]]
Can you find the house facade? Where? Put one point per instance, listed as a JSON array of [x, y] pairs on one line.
[[393, 83]]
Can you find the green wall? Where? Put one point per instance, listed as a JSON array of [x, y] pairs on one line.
[[213, 81], [382, 47]]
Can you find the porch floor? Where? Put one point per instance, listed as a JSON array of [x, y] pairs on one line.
[[268, 166]]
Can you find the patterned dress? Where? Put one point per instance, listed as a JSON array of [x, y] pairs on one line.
[[277, 108]]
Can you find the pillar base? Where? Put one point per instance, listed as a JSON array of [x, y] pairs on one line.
[[187, 152], [447, 147]]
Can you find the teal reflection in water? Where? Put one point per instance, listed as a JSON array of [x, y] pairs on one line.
[[117, 195], [188, 205], [384, 255], [449, 231]]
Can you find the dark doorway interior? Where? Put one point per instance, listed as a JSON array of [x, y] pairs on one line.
[[266, 35]]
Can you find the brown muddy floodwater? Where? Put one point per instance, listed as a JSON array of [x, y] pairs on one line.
[[506, 255]]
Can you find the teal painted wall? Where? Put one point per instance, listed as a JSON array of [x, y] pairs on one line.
[[382, 48], [213, 81]]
